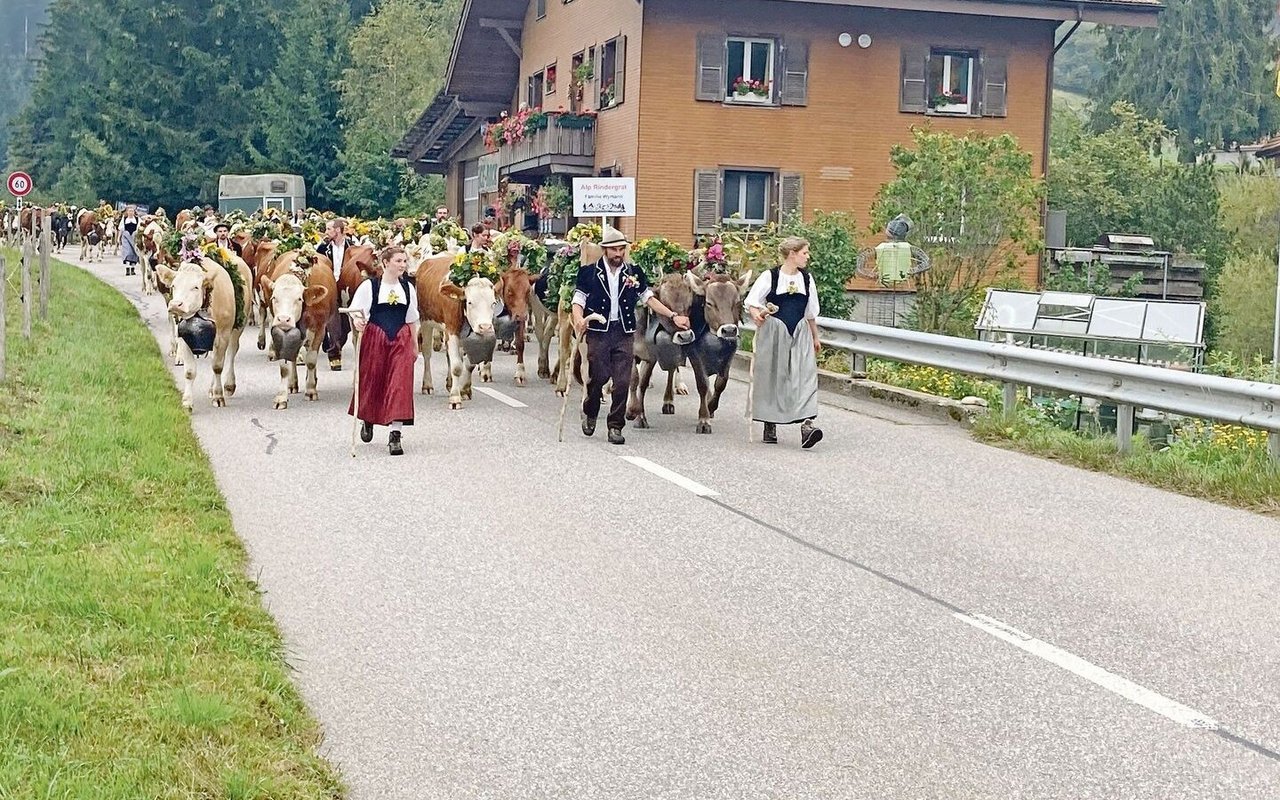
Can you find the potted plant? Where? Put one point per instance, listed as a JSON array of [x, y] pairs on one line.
[[749, 89], [948, 101]]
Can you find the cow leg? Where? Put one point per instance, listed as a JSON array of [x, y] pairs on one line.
[[668, 397], [176, 344], [486, 372], [641, 374], [282, 397], [467, 369], [262, 330], [546, 328], [219, 361], [336, 332], [520, 332], [565, 331], [426, 335], [454, 350], [681, 388], [233, 348], [704, 415], [313, 358], [722, 380], [188, 372]]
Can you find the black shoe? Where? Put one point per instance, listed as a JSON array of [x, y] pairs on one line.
[[393, 444], [616, 437], [366, 432], [588, 426], [770, 433], [335, 364], [809, 436]]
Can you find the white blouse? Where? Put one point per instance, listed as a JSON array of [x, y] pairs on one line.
[[758, 296], [363, 299]]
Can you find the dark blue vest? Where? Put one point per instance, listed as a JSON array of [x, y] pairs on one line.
[[593, 281]]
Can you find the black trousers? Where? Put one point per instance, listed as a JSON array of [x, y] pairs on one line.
[[609, 356]]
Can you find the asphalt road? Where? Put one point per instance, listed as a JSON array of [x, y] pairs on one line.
[[899, 613]]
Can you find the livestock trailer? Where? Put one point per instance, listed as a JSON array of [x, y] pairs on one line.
[[249, 193]]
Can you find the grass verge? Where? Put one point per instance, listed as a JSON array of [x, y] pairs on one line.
[[1244, 478], [135, 657]]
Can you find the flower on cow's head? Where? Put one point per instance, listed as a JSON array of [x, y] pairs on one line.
[[190, 250]]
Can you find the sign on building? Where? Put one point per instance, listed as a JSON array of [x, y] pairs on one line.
[[604, 197], [488, 173]]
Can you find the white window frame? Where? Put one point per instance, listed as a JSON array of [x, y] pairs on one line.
[[751, 99], [948, 57], [273, 202], [471, 197], [742, 196]]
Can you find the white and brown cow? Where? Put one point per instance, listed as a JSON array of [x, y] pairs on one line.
[[463, 313], [298, 298], [92, 235], [206, 288]]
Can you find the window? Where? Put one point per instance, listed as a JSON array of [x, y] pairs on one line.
[[612, 70], [951, 81], [745, 198], [542, 8], [534, 94], [470, 193], [549, 79], [750, 70]]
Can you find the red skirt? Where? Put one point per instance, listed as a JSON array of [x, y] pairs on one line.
[[386, 377]]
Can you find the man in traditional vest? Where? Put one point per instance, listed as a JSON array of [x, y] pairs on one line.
[[611, 288], [334, 247]]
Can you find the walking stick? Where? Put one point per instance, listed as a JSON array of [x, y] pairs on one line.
[[355, 380], [564, 405]]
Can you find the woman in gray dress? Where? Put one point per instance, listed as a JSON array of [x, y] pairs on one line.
[[784, 305], [128, 248]]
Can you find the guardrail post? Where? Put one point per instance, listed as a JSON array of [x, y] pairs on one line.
[[858, 365], [1010, 400], [1124, 427], [1273, 446], [4, 282], [46, 245]]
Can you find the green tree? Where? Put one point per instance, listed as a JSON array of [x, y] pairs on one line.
[[975, 205], [1203, 69], [1243, 307], [146, 100], [1078, 65], [300, 101], [399, 54]]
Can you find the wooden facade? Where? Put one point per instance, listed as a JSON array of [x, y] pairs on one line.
[[820, 134]]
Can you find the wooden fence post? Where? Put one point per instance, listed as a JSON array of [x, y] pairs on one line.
[[28, 253], [4, 284], [46, 244]]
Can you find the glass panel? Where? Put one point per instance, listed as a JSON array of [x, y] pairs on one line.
[[757, 190], [732, 193], [959, 84], [1117, 319], [760, 60], [1172, 322], [737, 62]]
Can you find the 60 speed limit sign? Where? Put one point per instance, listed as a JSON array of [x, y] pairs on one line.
[[19, 184]]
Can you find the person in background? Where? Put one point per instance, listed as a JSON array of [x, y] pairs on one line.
[[481, 238], [129, 224], [783, 303], [222, 235], [388, 321], [334, 247]]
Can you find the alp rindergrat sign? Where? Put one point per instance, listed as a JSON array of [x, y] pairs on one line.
[[604, 197]]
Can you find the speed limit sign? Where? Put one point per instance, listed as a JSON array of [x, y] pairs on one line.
[[19, 184]]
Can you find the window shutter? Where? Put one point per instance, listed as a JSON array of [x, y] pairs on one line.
[[709, 83], [794, 89], [915, 69], [619, 69], [995, 85], [790, 195], [706, 200]]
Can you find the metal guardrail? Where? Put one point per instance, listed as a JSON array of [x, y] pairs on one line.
[[1129, 386]]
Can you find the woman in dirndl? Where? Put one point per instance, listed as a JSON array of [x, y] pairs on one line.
[[388, 324], [784, 305], [128, 248]]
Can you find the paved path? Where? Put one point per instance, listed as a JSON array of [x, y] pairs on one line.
[[900, 613]]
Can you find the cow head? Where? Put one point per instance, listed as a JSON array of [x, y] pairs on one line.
[[289, 296], [513, 289], [676, 293], [477, 299], [187, 286], [362, 256], [722, 301]]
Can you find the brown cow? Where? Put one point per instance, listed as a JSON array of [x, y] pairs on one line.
[[91, 235], [514, 289], [301, 298], [465, 313], [206, 288], [357, 262]]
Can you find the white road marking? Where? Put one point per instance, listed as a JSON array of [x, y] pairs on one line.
[[674, 477], [1134, 693], [500, 397]]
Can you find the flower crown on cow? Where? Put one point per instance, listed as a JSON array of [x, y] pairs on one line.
[[468, 266]]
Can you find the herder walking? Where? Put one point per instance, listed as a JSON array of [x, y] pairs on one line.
[[611, 288], [785, 371], [388, 349]]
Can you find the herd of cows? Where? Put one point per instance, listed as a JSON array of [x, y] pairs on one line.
[[279, 281]]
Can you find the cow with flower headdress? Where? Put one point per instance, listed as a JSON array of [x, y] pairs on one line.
[[457, 294], [300, 296]]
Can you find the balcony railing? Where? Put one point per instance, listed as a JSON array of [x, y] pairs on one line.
[[553, 149]]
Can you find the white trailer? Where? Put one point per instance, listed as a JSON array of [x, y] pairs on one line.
[[249, 193]]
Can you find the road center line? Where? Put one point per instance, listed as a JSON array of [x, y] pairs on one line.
[[674, 477], [1134, 693], [500, 397]]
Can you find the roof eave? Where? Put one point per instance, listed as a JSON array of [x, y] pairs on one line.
[[1133, 15]]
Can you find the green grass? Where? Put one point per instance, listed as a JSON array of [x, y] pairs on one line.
[[136, 660], [1242, 478]]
